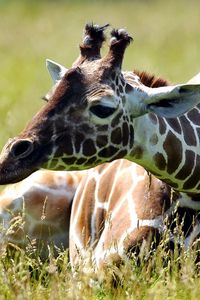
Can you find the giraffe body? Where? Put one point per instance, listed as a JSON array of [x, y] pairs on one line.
[[120, 208], [37, 210]]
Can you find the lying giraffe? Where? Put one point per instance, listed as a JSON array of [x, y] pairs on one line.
[[96, 114], [120, 208], [36, 211], [120, 192]]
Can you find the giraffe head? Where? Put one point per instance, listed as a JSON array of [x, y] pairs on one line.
[[89, 116]]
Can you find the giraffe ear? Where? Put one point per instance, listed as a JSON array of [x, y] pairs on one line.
[[56, 70], [172, 101], [195, 79]]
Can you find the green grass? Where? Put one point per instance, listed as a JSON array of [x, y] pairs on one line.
[[160, 275], [166, 42]]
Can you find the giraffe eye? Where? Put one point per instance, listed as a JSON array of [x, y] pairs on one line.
[[102, 111]]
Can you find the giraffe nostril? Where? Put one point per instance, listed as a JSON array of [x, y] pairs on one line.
[[22, 148]]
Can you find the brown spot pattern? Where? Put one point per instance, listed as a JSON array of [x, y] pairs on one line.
[[105, 185], [170, 182], [84, 222], [137, 152], [100, 222], [120, 89], [194, 178], [160, 161], [125, 132], [198, 132], [69, 160], [137, 236], [116, 136], [86, 128], [120, 154], [187, 168], [91, 161], [131, 136], [153, 139], [78, 140], [108, 151], [162, 125], [194, 116], [174, 123], [153, 118], [117, 81], [113, 76], [173, 149], [67, 142], [102, 140], [102, 127], [54, 163], [88, 148], [153, 198], [113, 86], [116, 119], [81, 161], [188, 132], [128, 88]]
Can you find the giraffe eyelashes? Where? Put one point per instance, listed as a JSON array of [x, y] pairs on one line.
[[45, 98], [102, 111]]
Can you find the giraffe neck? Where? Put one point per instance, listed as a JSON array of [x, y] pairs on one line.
[[169, 148]]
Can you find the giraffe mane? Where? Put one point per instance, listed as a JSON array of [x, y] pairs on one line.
[[151, 80]]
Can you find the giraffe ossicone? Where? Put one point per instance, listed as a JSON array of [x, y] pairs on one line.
[[96, 113]]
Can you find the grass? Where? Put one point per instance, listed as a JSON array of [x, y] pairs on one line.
[[167, 43], [161, 274]]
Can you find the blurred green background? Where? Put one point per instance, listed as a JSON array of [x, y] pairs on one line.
[[166, 42]]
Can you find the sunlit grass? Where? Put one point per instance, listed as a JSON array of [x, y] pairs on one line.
[[161, 274], [166, 42]]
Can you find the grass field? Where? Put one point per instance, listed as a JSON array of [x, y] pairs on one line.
[[166, 42]]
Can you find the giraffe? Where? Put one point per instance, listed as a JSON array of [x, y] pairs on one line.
[[35, 212], [96, 113], [132, 211], [117, 208]]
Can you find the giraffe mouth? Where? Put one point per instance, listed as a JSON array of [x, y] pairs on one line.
[[16, 166], [14, 176]]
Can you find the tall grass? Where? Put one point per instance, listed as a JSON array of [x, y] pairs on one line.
[[160, 274], [166, 42]]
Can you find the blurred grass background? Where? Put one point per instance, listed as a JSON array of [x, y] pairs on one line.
[[166, 42]]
